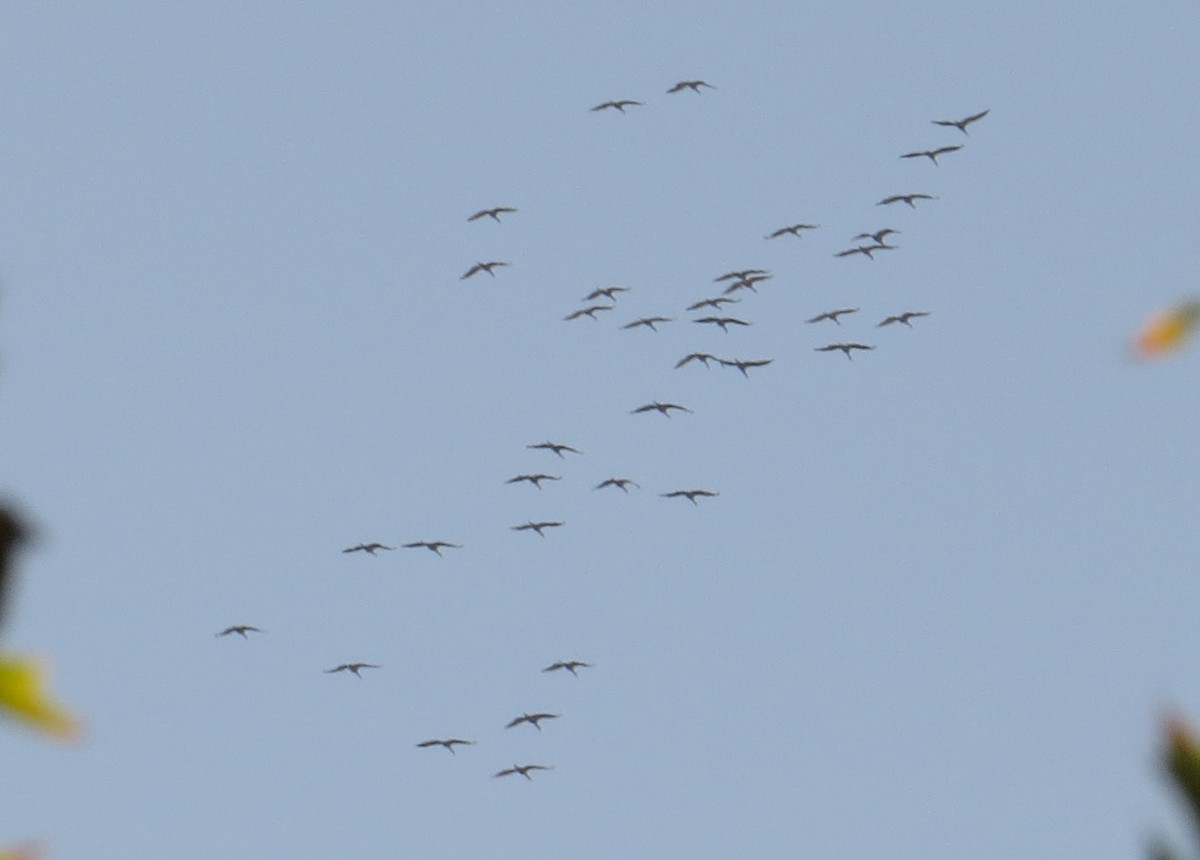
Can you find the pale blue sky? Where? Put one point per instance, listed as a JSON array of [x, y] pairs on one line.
[[945, 593]]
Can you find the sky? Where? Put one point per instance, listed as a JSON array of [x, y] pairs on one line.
[[946, 592]]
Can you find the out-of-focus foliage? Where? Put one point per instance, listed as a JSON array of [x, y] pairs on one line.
[[23, 695], [1166, 331]]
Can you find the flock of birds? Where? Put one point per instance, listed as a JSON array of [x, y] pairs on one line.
[[604, 300]]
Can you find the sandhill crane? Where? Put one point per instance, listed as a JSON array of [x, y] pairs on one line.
[[351, 667], [723, 322], [690, 495], [743, 366], [240, 629], [867, 251], [907, 198], [742, 275], [903, 318], [793, 229], [877, 236], [648, 322], [746, 283], [483, 267], [619, 104], [587, 312], [537, 527], [656, 406], [522, 769], [569, 665], [535, 479], [703, 357], [714, 303], [609, 293], [932, 154], [623, 483], [448, 743], [494, 214], [370, 548], [844, 347], [435, 545], [832, 315], [533, 719], [961, 124], [556, 448], [694, 86]]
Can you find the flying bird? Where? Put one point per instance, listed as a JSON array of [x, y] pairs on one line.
[[522, 769], [537, 527], [371, 548], [664, 408], [844, 347], [743, 366], [483, 267], [623, 483], [240, 629], [494, 214], [867, 251], [609, 293], [703, 357], [351, 667], [555, 447], [907, 198], [648, 322], [435, 545], [746, 283], [740, 276], [794, 230], [620, 105], [903, 318], [932, 154], [723, 322], [694, 86], [569, 665], [536, 480], [715, 303], [877, 236], [448, 743], [690, 495], [832, 315], [532, 719], [588, 311], [961, 124]]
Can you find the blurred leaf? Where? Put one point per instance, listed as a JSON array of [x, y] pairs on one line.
[[1182, 759], [12, 532], [1166, 331], [23, 696]]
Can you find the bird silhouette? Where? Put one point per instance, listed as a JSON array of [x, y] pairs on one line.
[[522, 769], [723, 322], [533, 719], [556, 448], [535, 479], [435, 545], [743, 366], [351, 667], [867, 251], [961, 124], [609, 293], [537, 527], [694, 86], [878, 235], [903, 318], [588, 312], [623, 483], [370, 548], [690, 495], [448, 743], [619, 104], [932, 154], [648, 322], [793, 229], [702, 357], [832, 315], [747, 283], [569, 665], [240, 629], [664, 408], [714, 303], [907, 198], [494, 214], [483, 267], [742, 275], [844, 347]]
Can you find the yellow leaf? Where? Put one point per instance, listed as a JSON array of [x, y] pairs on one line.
[[1167, 330], [23, 696]]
